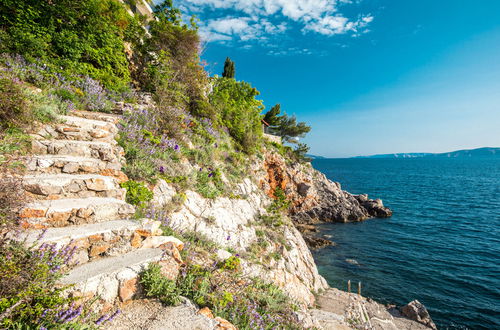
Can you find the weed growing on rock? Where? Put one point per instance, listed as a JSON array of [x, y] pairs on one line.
[[137, 192], [231, 263]]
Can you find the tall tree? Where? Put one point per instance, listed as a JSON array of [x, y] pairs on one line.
[[290, 130], [229, 70], [271, 117]]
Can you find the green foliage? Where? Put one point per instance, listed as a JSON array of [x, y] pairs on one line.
[[300, 153], [157, 285], [248, 304], [28, 291], [137, 192], [239, 111], [167, 63], [85, 37], [229, 69], [209, 184], [199, 240], [272, 116], [289, 129], [280, 202], [13, 103], [231, 263]]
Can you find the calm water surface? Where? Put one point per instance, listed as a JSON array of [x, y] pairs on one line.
[[442, 245]]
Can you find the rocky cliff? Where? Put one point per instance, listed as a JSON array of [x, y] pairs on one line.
[[314, 198]]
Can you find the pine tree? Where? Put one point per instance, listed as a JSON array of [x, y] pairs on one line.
[[229, 70], [271, 117]]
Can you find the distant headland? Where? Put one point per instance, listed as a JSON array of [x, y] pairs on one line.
[[466, 153]]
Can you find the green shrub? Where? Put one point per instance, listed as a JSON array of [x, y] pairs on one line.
[[231, 263], [209, 184], [29, 296], [239, 111], [84, 37], [280, 202], [137, 192], [157, 285], [13, 103]]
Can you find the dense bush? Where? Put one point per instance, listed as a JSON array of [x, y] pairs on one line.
[[13, 103], [167, 63], [84, 37], [239, 111]]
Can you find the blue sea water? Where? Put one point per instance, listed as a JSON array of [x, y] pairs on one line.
[[442, 245]]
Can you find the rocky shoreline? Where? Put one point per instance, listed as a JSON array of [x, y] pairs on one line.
[[315, 199]]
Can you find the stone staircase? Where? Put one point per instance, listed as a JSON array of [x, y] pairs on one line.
[[76, 202]]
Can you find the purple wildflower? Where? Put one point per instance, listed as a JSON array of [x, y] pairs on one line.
[[101, 319], [115, 314]]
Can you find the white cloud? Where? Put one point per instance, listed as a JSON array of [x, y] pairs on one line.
[[331, 25], [256, 19]]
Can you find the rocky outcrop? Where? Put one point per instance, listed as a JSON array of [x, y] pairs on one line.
[[342, 310], [314, 197], [417, 312]]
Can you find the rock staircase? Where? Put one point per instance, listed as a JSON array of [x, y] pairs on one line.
[[76, 202]]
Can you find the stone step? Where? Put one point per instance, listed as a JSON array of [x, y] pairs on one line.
[[57, 186], [105, 239], [91, 241], [77, 121], [70, 132], [54, 164], [110, 118], [111, 279], [99, 150], [66, 212]]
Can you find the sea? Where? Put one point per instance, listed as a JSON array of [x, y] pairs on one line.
[[441, 246]]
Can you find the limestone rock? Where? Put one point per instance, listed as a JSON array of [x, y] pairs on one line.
[[223, 254], [163, 193], [414, 310]]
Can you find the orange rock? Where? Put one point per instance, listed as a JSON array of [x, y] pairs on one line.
[[32, 213], [96, 184], [136, 240], [119, 175], [97, 249], [143, 232], [205, 311], [128, 289], [71, 129], [98, 134], [169, 268], [172, 251], [225, 324], [60, 218], [82, 243], [95, 238], [85, 213], [27, 225]]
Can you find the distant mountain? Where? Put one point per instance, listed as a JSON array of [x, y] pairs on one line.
[[315, 157], [480, 152]]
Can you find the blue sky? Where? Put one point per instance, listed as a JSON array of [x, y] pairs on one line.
[[369, 76]]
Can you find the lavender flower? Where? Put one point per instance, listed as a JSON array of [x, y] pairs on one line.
[[101, 319]]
